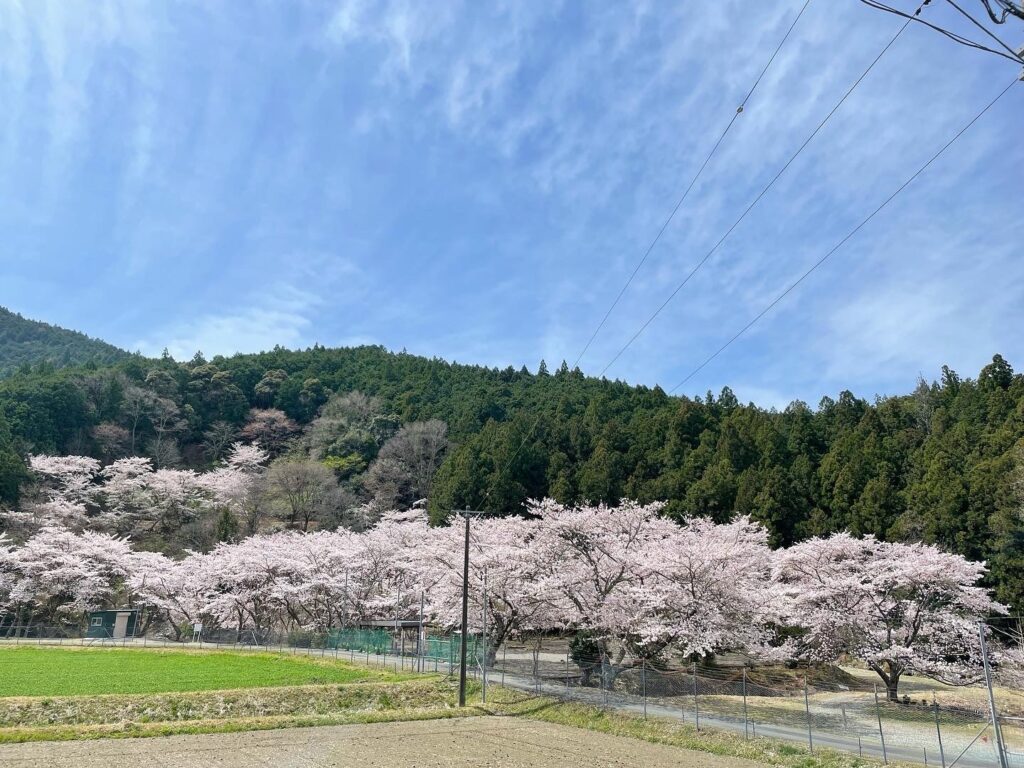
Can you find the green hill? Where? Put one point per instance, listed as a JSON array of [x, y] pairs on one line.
[[939, 464], [25, 342]]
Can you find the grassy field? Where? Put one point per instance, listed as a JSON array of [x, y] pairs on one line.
[[49, 694], [82, 671]]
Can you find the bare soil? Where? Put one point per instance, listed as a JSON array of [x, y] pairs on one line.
[[478, 741]]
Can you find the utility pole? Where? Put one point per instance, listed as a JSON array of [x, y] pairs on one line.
[[398, 611], [465, 612], [483, 636], [991, 696], [420, 635]]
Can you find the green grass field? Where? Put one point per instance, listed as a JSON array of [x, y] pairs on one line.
[[53, 694], [73, 672]]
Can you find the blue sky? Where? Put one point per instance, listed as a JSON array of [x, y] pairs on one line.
[[476, 181]]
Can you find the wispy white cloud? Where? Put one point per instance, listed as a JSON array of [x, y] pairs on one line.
[[254, 328], [478, 180]]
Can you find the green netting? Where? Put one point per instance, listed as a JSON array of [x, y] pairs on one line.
[[447, 648], [444, 648], [362, 640]]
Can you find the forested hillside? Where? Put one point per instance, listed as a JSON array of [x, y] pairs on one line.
[[26, 342], [348, 429]]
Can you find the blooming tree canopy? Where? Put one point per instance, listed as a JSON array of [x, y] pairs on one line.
[[637, 586], [130, 497], [59, 573], [898, 607]]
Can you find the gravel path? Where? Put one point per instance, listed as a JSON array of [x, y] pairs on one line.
[[477, 741]]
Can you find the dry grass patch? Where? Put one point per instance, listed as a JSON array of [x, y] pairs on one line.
[[39, 718]]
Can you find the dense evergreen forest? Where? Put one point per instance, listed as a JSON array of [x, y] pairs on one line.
[[24, 343], [938, 464]]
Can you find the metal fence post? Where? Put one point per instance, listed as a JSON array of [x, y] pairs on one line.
[[807, 709], [746, 730], [881, 736], [567, 674], [604, 687], [696, 703], [504, 650], [536, 671], [643, 683], [938, 731]]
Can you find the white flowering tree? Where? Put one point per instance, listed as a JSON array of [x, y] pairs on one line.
[[503, 549], [641, 585], [58, 574], [898, 607], [637, 585], [130, 497]]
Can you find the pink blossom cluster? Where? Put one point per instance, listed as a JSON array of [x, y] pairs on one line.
[[639, 585], [130, 496]]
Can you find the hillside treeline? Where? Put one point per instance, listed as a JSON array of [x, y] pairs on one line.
[[938, 464], [24, 343]]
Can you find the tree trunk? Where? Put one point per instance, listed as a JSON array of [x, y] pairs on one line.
[[892, 686], [586, 674], [890, 674]]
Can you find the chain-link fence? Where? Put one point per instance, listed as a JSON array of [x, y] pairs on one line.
[[844, 709], [401, 648]]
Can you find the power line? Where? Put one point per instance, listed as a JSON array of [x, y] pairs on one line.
[[760, 195], [941, 30], [849, 235], [693, 181], [987, 31], [647, 253], [1008, 8]]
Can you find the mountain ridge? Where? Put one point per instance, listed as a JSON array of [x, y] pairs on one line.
[[24, 341]]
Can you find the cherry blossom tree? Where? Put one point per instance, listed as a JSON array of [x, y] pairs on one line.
[[228, 485], [710, 590], [6, 572], [33, 516], [241, 582], [271, 428], [898, 607], [384, 579], [640, 586], [176, 591], [129, 497], [58, 573], [314, 590], [69, 478], [591, 558], [503, 550]]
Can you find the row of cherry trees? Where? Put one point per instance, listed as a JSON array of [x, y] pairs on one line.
[[641, 586], [130, 497]]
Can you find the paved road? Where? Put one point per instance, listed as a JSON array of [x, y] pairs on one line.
[[981, 755], [476, 741]]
